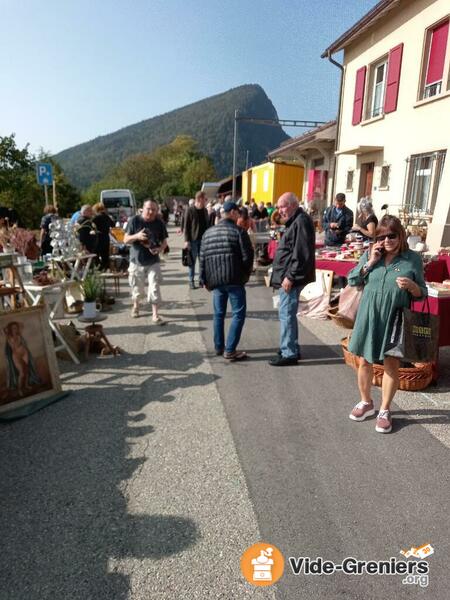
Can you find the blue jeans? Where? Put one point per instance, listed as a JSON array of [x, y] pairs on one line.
[[237, 296], [195, 253], [287, 312]]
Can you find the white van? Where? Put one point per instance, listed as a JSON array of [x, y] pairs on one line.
[[120, 204]]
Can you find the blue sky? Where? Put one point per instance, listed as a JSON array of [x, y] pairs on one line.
[[74, 70]]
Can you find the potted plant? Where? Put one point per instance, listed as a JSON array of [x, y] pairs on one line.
[[91, 288]]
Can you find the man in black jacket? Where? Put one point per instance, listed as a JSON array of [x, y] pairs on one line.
[[226, 261], [337, 221], [293, 268], [195, 224]]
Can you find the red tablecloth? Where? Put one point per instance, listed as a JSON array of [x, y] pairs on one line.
[[340, 267], [441, 307], [438, 270], [273, 245]]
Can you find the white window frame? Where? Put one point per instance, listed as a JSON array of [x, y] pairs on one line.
[[417, 184], [438, 87], [349, 182], [385, 187], [373, 86]]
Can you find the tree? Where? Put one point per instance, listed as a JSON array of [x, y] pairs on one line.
[[176, 169], [19, 188]]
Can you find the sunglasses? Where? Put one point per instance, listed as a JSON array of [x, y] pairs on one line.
[[388, 236]]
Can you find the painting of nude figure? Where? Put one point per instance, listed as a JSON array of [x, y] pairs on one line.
[[28, 367]]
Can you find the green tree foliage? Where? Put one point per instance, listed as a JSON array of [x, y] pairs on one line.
[[20, 190], [176, 169], [210, 121]]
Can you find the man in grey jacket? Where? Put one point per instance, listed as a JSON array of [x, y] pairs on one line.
[[195, 224], [293, 268], [226, 261]]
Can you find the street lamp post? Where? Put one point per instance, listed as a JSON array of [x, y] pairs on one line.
[[233, 192]]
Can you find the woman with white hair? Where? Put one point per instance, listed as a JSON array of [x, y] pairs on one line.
[[367, 222]]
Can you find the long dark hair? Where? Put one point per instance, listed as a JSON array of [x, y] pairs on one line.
[[394, 225]]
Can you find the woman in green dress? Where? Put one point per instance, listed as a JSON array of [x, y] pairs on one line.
[[391, 274]]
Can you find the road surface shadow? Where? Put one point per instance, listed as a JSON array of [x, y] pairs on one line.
[[64, 515]]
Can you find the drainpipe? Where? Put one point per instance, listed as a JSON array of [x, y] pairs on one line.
[[338, 121]]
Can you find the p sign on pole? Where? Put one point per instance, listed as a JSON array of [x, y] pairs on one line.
[[44, 174]]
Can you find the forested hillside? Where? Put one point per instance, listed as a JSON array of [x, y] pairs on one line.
[[210, 122]]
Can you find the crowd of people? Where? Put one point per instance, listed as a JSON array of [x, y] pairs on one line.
[[218, 240], [389, 273]]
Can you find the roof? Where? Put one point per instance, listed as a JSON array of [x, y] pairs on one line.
[[324, 132], [361, 26]]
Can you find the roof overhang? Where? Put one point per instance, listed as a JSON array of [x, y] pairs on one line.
[[376, 13], [360, 150], [323, 134]]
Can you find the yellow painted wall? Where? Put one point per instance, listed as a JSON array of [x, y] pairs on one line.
[[288, 178], [247, 185], [262, 182], [266, 182]]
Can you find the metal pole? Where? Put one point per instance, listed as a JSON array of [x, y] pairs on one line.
[[246, 159], [233, 192], [55, 203], [46, 194]]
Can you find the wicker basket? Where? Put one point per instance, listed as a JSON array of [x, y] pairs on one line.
[[411, 379], [339, 319]]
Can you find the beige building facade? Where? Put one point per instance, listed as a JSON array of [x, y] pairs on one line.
[[394, 118]]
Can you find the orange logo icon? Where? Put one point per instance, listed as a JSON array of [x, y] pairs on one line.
[[262, 564]]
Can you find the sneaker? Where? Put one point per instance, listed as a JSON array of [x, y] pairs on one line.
[[192, 285], [299, 355], [135, 312], [236, 355], [362, 410], [282, 361], [219, 352], [384, 422]]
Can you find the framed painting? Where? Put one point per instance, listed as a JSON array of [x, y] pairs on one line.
[[28, 366]]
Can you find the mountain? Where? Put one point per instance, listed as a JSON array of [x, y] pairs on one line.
[[209, 121]]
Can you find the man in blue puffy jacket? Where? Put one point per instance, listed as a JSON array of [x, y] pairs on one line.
[[226, 262]]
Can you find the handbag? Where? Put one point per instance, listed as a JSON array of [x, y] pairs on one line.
[[349, 300], [186, 257], [415, 335]]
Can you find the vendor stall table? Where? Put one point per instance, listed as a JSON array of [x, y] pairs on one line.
[[77, 266], [54, 301], [339, 267]]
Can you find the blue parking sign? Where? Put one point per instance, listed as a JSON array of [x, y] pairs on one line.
[[44, 173]]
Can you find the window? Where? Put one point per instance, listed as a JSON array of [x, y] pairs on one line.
[[424, 177], [349, 184], [384, 178], [383, 86], [254, 183], [434, 60], [377, 83]]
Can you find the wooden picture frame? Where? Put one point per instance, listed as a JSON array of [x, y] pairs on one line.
[[28, 366]]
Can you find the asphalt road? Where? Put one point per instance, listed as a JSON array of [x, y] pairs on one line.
[[321, 484], [165, 463]]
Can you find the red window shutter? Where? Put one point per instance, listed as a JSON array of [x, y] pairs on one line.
[[359, 95], [436, 59], [393, 78]]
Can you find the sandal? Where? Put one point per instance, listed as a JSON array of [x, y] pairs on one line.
[[233, 356]]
